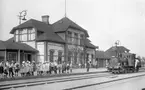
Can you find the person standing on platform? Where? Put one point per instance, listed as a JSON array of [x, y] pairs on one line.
[[1, 70], [88, 65], [70, 66], [6, 68], [59, 67], [55, 66], [17, 68], [64, 67], [47, 67], [67, 67], [11, 69]]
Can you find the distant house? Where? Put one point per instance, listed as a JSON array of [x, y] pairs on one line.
[[122, 53], [101, 58], [63, 40], [116, 51]]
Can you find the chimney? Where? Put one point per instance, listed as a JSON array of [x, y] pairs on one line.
[[45, 19]]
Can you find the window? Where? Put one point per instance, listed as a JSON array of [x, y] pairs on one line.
[[20, 35], [31, 34], [87, 57], [17, 38], [92, 56], [17, 32], [75, 38], [69, 56], [69, 37], [51, 55], [12, 56], [81, 39], [81, 58], [25, 34], [69, 34], [82, 36], [59, 57], [75, 57]]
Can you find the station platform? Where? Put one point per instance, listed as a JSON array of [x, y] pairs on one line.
[[78, 71]]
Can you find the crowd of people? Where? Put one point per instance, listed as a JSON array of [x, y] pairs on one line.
[[13, 69]]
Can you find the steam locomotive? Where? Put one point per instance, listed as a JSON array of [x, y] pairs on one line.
[[124, 63]]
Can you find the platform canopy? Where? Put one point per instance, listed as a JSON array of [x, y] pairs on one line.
[[11, 45]]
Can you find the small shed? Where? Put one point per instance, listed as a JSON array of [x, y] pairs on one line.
[[101, 58]]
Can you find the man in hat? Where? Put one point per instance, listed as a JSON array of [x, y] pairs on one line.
[[55, 66], [17, 68], [11, 69]]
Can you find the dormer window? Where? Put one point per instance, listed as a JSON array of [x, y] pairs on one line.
[[31, 34], [69, 34], [27, 34]]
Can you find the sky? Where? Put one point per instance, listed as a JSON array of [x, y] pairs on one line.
[[105, 20]]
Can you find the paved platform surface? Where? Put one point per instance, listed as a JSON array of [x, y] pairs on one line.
[[85, 84], [79, 71], [76, 84], [84, 70]]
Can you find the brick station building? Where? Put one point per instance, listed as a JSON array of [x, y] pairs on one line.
[[63, 40]]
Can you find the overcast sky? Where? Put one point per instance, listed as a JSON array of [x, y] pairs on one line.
[[105, 20]]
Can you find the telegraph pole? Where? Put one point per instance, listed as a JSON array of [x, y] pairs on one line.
[[65, 8]]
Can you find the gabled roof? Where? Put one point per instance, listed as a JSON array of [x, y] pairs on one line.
[[15, 46], [2, 45], [48, 32], [41, 26], [49, 35], [120, 49], [89, 44], [102, 54], [64, 23]]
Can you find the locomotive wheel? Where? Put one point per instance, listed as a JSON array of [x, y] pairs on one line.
[[113, 71]]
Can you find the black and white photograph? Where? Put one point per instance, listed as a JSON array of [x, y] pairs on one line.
[[72, 44]]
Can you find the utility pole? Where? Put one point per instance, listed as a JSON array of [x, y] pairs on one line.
[[65, 8]]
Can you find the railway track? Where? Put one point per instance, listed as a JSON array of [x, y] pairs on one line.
[[48, 81], [104, 82], [54, 80]]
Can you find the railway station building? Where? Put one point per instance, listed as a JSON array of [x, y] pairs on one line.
[[63, 40]]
